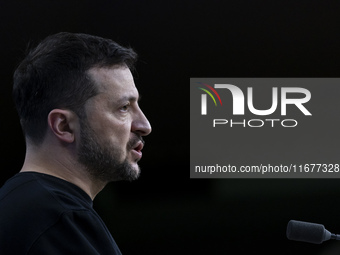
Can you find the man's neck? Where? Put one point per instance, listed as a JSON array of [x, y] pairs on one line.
[[67, 169]]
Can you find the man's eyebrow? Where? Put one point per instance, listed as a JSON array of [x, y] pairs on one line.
[[130, 98]]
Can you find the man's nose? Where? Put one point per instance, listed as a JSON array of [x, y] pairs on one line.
[[140, 124]]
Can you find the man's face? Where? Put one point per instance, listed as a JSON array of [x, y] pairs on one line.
[[111, 135]]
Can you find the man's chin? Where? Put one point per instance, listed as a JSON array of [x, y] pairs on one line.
[[130, 172], [135, 171]]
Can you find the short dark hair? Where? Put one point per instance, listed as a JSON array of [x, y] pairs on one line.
[[54, 75]]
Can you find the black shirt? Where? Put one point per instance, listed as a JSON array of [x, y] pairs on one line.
[[42, 214]]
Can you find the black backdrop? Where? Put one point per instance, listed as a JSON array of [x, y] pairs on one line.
[[165, 212]]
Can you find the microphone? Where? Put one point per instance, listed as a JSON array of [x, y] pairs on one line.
[[309, 232]]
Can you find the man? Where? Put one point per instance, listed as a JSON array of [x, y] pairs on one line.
[[78, 107]]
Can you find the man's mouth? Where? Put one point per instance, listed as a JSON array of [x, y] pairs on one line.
[[139, 146], [137, 149]]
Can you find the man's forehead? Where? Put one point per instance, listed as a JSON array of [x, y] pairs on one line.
[[115, 77], [114, 85]]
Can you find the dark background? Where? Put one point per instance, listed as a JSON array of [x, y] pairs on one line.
[[166, 212]]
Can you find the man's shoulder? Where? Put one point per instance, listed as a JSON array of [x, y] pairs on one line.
[[31, 190], [31, 203], [40, 214]]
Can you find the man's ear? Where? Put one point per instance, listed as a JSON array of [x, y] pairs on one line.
[[63, 124]]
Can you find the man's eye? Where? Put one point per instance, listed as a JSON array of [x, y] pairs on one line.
[[125, 108]]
